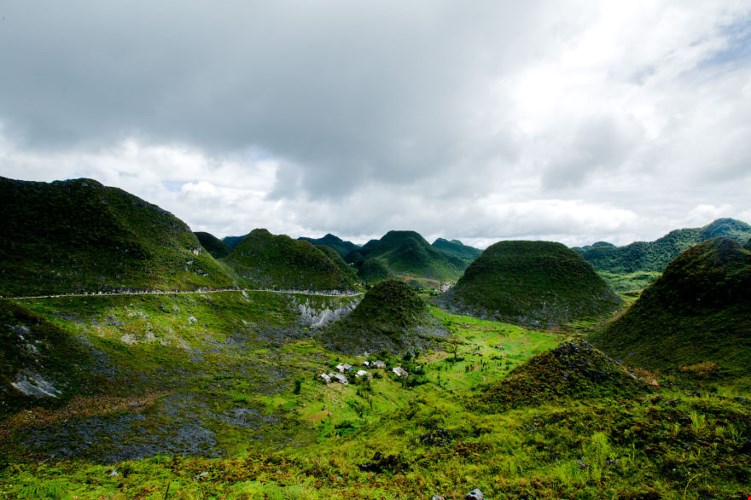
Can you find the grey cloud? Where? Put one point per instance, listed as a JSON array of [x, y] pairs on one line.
[[344, 92]]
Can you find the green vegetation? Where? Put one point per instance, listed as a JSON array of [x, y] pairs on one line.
[[406, 254], [266, 260], [232, 241], [629, 283], [220, 394], [698, 311], [245, 415], [654, 256], [77, 235], [391, 318], [340, 246], [216, 247], [572, 371], [457, 249], [532, 283]]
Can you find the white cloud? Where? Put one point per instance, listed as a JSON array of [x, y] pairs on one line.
[[576, 120]]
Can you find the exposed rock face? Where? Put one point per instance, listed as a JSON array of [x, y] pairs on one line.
[[317, 318], [33, 384]]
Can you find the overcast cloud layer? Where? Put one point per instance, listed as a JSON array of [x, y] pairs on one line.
[[568, 120]]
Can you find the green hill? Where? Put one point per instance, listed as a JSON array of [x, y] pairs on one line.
[[655, 255], [342, 247], [337, 259], [78, 235], [232, 241], [406, 254], [533, 283], [698, 311], [391, 317], [269, 261], [457, 249], [216, 247], [570, 371]]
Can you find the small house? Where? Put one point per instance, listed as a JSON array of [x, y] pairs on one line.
[[326, 378], [341, 379], [344, 367], [401, 372], [362, 373], [378, 364]]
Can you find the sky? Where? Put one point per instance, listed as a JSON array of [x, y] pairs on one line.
[[567, 120]]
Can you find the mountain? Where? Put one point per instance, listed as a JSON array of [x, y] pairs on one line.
[[655, 255], [407, 254], [698, 311], [337, 259], [232, 241], [534, 283], [216, 247], [270, 261], [391, 317], [78, 235], [571, 371], [342, 247], [457, 249]]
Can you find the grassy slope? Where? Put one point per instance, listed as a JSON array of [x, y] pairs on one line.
[[654, 256], [533, 283], [78, 235], [216, 247], [406, 254], [698, 311], [279, 261], [374, 439], [457, 249]]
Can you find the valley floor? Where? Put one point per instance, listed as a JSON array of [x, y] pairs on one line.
[[220, 396]]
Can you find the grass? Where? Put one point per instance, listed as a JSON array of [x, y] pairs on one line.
[[297, 437]]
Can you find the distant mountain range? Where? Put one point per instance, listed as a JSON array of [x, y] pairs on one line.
[[342, 247], [655, 255], [408, 254]]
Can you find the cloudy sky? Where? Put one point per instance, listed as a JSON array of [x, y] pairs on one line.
[[568, 120]]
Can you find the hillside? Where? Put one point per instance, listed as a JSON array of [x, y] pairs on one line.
[[571, 371], [40, 364], [406, 254], [342, 247], [232, 241], [78, 235], [457, 249], [216, 247], [655, 255], [391, 317], [532, 283], [698, 311], [270, 261]]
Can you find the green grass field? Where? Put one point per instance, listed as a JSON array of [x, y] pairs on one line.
[[230, 404]]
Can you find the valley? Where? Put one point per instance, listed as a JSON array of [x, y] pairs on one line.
[[141, 360]]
